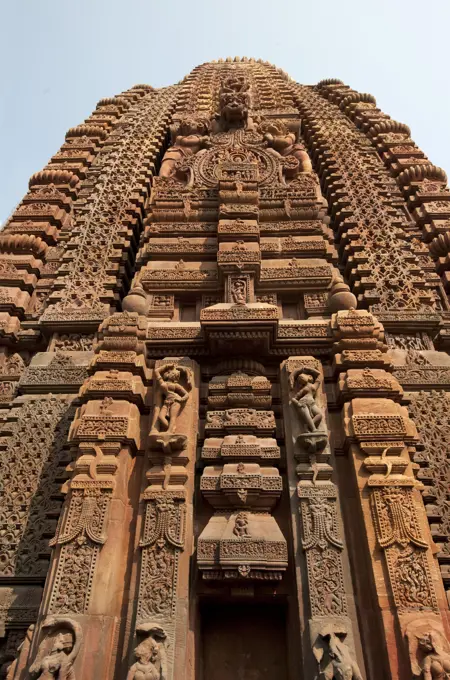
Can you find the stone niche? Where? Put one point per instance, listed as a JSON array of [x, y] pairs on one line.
[[242, 539]]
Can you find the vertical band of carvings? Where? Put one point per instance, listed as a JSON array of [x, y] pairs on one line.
[[322, 542], [431, 414], [81, 536], [163, 538], [323, 546], [389, 280], [163, 575], [85, 290], [398, 534]]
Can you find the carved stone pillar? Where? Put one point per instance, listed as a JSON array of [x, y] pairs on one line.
[[89, 575], [322, 577], [379, 440], [162, 576]]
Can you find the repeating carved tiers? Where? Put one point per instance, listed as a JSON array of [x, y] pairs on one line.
[[223, 323]]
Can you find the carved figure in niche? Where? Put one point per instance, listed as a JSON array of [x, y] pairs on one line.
[[334, 659], [280, 139], [436, 662], [189, 136], [239, 291], [306, 382], [150, 664], [241, 525], [171, 395], [58, 650], [429, 650], [234, 101]]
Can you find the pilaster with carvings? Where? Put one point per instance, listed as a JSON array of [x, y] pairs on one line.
[[322, 576], [165, 531], [89, 575], [380, 439]]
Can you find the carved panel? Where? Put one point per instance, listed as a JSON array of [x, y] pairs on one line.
[[431, 414], [81, 534], [31, 463], [398, 534], [163, 538]]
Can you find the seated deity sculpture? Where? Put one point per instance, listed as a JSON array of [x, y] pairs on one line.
[[189, 137], [281, 140]]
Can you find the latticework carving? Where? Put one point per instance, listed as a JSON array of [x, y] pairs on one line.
[[430, 411], [30, 482]]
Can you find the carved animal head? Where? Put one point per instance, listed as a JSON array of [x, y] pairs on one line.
[[235, 99]]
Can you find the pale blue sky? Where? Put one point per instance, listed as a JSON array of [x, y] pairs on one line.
[[59, 57]]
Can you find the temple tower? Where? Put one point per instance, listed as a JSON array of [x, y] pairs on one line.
[[225, 391]]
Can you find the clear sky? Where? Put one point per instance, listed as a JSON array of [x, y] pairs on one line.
[[59, 57]]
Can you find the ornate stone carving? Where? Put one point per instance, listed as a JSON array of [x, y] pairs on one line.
[[391, 280], [240, 419], [81, 535], [40, 434], [334, 659], [279, 138], [305, 383], [162, 539], [105, 216], [323, 545], [398, 534], [173, 385], [239, 291], [58, 650], [150, 653], [234, 100], [429, 650], [431, 414], [189, 135]]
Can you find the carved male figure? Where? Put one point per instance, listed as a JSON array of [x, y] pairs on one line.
[[189, 137], [306, 382], [171, 394], [280, 139]]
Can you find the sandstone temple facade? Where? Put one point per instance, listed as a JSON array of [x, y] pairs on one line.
[[225, 392]]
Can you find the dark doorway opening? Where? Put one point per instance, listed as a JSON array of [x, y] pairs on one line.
[[243, 641]]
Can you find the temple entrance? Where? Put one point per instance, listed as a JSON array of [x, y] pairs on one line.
[[243, 641]]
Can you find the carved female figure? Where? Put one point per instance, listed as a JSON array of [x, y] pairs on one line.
[[239, 291], [334, 658], [189, 137], [307, 382], [170, 396], [56, 660], [150, 654], [436, 661], [147, 653]]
